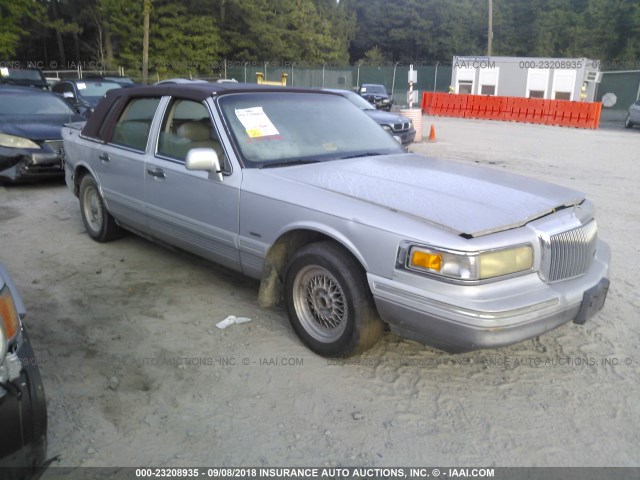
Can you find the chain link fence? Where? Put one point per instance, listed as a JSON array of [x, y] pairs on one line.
[[625, 87], [431, 78]]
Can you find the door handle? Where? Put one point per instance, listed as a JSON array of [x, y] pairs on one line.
[[104, 158], [157, 173]]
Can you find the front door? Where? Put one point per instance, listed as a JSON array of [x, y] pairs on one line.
[[192, 209]]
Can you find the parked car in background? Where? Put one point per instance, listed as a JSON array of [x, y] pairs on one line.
[[30, 139], [633, 117], [23, 77], [119, 79], [180, 80], [399, 126], [23, 408], [303, 190], [376, 95], [84, 93]]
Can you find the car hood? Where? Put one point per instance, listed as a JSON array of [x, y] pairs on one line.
[[40, 127], [466, 199], [386, 118], [90, 101], [26, 82], [374, 95]]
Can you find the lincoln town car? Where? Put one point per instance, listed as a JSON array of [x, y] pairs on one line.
[[304, 191]]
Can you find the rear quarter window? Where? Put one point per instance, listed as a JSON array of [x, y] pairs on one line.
[[133, 126]]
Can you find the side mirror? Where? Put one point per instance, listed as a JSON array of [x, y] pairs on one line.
[[205, 159], [85, 111]]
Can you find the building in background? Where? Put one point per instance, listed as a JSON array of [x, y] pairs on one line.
[[549, 78]]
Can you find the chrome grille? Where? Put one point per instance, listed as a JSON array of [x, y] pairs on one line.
[[571, 252], [57, 146], [400, 126]]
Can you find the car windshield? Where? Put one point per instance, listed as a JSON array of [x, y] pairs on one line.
[[21, 74], [358, 101], [26, 104], [278, 128], [379, 89], [95, 89], [126, 80]]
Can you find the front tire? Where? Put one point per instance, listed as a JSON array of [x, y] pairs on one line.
[[628, 123], [329, 303], [98, 222]]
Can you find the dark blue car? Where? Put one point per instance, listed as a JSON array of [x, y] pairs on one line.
[[23, 408], [376, 95], [30, 138], [397, 125]]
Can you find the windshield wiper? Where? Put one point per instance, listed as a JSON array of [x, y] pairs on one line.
[[362, 154], [288, 163]]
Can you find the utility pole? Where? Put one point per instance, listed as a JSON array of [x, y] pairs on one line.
[[146, 10], [490, 33]]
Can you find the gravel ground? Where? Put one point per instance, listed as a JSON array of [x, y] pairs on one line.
[[137, 374]]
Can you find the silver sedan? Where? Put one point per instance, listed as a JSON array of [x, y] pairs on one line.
[[304, 191]]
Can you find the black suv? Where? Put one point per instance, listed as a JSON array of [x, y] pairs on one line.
[[23, 77], [376, 95]]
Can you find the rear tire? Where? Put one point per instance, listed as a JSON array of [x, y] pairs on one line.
[[329, 303], [98, 222]]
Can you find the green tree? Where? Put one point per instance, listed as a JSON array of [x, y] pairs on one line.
[[182, 44], [14, 15], [286, 30]]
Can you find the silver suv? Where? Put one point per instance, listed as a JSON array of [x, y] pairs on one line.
[[633, 117]]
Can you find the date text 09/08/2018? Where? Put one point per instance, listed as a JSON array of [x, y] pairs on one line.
[[304, 473]]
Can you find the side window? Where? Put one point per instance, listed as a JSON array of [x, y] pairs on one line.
[[187, 125], [62, 88], [132, 128]]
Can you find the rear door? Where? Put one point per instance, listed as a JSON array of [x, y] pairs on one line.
[[192, 209], [120, 164]]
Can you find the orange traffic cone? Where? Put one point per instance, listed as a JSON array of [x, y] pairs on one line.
[[432, 134]]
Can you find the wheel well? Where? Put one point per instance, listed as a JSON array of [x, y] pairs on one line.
[[275, 263], [77, 178]]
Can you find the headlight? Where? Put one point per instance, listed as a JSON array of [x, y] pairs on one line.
[[9, 320], [11, 141], [3, 343], [410, 124], [387, 128], [386, 100], [470, 266]]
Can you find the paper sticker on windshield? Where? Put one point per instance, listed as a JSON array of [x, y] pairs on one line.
[[4, 72], [256, 122], [81, 85]]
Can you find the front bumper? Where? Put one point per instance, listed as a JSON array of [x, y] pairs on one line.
[[23, 419], [460, 318], [406, 137], [25, 164], [379, 102]]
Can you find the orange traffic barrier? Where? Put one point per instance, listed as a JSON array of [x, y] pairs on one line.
[[516, 109]]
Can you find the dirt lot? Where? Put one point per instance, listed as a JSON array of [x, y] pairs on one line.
[[137, 374]]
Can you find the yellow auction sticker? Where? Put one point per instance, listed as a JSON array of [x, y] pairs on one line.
[[256, 122]]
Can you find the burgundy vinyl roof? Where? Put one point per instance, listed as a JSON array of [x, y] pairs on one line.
[[116, 99]]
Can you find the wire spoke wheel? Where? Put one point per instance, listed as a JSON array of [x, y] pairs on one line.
[[320, 303], [97, 220], [92, 206], [328, 301]]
